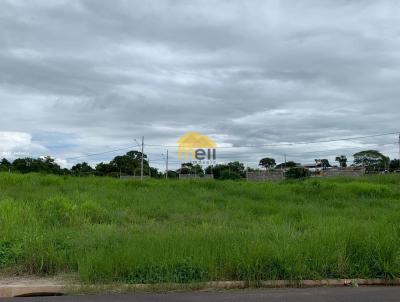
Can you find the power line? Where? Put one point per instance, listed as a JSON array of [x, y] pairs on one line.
[[100, 153], [141, 162], [235, 155], [399, 146], [245, 146], [289, 144], [299, 154], [315, 151], [166, 166]]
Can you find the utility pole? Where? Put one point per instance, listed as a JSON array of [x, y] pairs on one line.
[[285, 161], [166, 167], [141, 170], [399, 148]]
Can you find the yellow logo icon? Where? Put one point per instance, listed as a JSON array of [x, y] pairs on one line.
[[197, 146]]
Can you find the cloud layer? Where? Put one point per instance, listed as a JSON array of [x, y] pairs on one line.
[[90, 76]]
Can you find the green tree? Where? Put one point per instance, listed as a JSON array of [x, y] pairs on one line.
[[232, 170], [342, 160], [5, 165], [82, 168], [297, 173], [40, 165], [323, 162], [49, 165], [103, 169], [23, 165], [130, 163], [155, 173], [198, 170], [172, 174], [189, 168], [267, 163], [371, 159], [394, 165], [289, 164], [186, 168]]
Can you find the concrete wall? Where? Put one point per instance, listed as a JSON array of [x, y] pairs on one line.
[[269, 175], [133, 177], [347, 172], [193, 176], [278, 175]]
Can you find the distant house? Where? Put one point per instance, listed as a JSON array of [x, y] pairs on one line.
[[316, 167], [313, 168]]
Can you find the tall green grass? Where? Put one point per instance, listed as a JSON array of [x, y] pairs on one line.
[[181, 231]]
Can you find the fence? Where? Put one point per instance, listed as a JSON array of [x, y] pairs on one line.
[[133, 177], [268, 175], [278, 175], [195, 176], [346, 172]]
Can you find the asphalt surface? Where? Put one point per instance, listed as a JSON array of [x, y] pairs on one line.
[[364, 294]]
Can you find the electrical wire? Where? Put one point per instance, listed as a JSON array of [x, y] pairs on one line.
[[245, 146], [100, 153], [288, 144]]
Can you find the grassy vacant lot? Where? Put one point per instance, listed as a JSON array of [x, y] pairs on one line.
[[170, 231]]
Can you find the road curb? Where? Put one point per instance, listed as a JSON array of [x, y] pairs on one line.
[[18, 290], [271, 284], [22, 289]]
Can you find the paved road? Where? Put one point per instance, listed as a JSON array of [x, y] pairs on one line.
[[345, 294]]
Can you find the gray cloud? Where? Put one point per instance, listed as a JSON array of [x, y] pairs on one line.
[[97, 74]]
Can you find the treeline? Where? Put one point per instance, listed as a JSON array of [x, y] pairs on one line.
[[27, 165], [130, 165], [371, 160], [122, 165]]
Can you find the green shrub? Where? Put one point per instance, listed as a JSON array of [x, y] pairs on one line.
[[93, 212], [58, 211], [9, 253], [297, 173]]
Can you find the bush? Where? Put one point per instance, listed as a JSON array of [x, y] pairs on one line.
[[9, 253], [297, 173], [58, 211]]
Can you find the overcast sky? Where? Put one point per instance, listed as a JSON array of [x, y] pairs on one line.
[[80, 77]]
